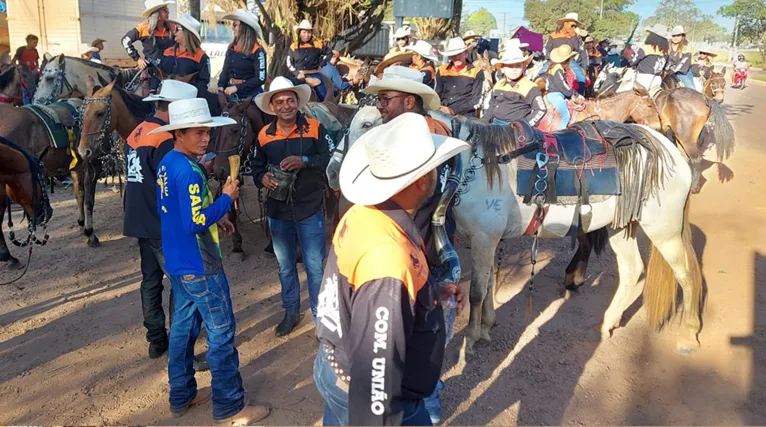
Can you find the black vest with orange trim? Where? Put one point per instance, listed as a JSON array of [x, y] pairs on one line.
[[153, 44], [144, 153], [184, 63], [428, 72], [379, 310], [247, 67], [460, 90], [307, 138], [308, 56]]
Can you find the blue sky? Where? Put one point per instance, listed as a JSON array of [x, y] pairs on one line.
[[513, 10]]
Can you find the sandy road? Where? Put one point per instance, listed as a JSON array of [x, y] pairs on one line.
[[72, 347]]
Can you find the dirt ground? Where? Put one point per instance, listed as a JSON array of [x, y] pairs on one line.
[[72, 347]]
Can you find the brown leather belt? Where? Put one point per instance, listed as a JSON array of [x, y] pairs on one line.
[[236, 81]]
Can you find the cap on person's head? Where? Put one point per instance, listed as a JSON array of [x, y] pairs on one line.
[[390, 157], [191, 113]]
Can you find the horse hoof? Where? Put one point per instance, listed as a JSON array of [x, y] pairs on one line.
[[92, 241], [238, 256], [467, 348], [484, 335], [81, 223], [13, 264]]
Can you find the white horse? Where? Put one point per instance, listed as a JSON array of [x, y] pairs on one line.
[[663, 218], [624, 79], [67, 77]]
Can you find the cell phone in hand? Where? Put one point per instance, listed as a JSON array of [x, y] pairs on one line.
[[207, 157]]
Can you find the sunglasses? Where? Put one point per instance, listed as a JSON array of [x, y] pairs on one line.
[[401, 38]]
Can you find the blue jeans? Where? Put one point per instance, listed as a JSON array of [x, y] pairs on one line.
[[686, 79], [320, 90], [336, 399], [198, 299], [311, 236], [559, 102]]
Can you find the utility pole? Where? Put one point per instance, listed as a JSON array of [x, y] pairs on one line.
[[194, 9], [601, 15], [736, 29]]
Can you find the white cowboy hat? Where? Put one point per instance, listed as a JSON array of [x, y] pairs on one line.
[[406, 80], [189, 24], [390, 157], [304, 25], [573, 17], [562, 54], [151, 6], [424, 49], [589, 39], [470, 34], [402, 32], [191, 113], [282, 84], [173, 90], [678, 30], [512, 55], [659, 29], [582, 32], [514, 42], [454, 46], [248, 18]]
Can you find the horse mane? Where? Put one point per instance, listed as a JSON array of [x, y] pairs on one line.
[[7, 78], [91, 64], [137, 107], [493, 140]]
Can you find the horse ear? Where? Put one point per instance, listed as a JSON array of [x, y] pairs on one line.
[[90, 85], [61, 59], [723, 71]]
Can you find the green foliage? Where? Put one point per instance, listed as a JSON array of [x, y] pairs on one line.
[[480, 22], [752, 18], [698, 26], [617, 21]]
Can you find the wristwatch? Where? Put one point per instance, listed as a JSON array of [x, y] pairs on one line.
[[305, 160]]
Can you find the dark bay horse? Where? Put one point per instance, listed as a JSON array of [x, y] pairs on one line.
[[13, 79], [22, 181]]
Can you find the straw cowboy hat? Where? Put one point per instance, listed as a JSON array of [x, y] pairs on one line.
[[92, 50], [659, 29], [562, 54], [402, 32], [248, 18], [424, 49], [406, 80], [589, 39], [678, 30], [469, 35], [393, 58], [390, 157], [512, 55], [282, 84], [189, 24], [173, 90], [569, 17], [97, 41], [711, 54], [191, 113], [582, 32], [152, 6], [304, 25], [455, 45]]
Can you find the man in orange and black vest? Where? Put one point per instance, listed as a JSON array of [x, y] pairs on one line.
[[379, 322], [306, 58], [141, 218], [458, 83], [291, 156]]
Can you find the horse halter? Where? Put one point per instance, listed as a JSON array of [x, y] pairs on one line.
[[245, 167], [59, 83], [107, 122]]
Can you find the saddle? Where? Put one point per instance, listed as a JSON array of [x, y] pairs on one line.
[[60, 121]]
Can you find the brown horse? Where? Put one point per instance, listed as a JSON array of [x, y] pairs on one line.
[[12, 81], [715, 86], [695, 122], [635, 105]]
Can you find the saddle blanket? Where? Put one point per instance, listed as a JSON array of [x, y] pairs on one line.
[[59, 121], [582, 166]]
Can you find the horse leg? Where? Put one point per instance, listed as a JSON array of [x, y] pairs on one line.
[[236, 237], [91, 180], [78, 187], [482, 279], [629, 268], [488, 311], [5, 255], [575, 272]]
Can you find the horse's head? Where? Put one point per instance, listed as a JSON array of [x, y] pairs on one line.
[[96, 118], [365, 119], [716, 85], [51, 85], [237, 139], [643, 109]]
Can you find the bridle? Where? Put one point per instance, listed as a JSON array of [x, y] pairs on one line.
[[9, 98], [59, 83], [245, 167]]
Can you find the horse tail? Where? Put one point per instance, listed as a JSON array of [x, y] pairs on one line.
[[598, 239], [660, 290], [723, 132]]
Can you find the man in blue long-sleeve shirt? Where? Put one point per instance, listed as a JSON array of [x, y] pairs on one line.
[[190, 223]]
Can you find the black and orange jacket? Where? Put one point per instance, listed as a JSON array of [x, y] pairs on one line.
[[153, 46], [428, 72], [649, 60], [559, 39], [307, 138], [555, 81], [381, 313], [519, 100], [460, 90], [144, 153], [247, 66], [184, 63], [308, 56]]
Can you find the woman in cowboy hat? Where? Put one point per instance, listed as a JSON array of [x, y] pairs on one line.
[[401, 40], [99, 45], [155, 33], [395, 58], [458, 83], [568, 34], [306, 58], [703, 66], [244, 69], [680, 58], [89, 55], [186, 57], [594, 54], [651, 59], [558, 90], [514, 96], [423, 59]]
